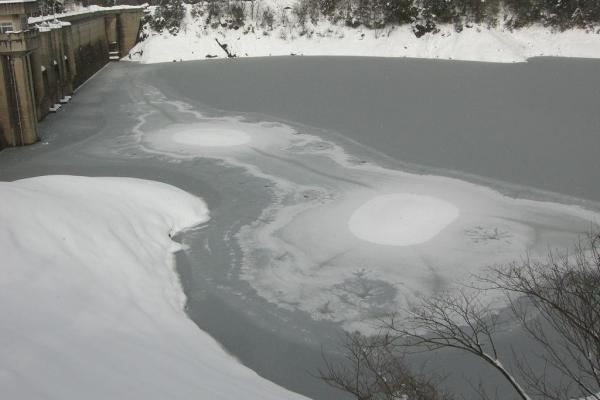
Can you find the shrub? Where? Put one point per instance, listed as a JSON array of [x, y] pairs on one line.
[[307, 9], [268, 18], [237, 14], [168, 15], [214, 10]]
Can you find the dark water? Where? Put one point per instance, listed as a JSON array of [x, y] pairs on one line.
[[535, 125]]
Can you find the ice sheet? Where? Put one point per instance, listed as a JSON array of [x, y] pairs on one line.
[[211, 136], [401, 219], [348, 240]]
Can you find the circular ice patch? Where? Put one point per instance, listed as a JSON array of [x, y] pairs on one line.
[[401, 219], [215, 137]]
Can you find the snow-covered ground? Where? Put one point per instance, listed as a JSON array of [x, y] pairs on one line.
[[197, 41], [90, 304]]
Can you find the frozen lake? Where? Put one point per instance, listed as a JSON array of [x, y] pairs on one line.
[[340, 188]]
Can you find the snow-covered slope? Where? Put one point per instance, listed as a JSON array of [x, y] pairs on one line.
[[90, 304], [195, 41]]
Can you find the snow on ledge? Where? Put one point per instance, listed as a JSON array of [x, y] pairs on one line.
[[15, 1], [91, 306], [82, 10]]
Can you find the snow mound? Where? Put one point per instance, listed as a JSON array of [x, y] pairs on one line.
[[219, 137], [401, 219], [91, 306]]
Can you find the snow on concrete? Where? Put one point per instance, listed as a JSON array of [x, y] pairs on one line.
[[90, 304], [401, 219], [478, 43], [15, 1], [327, 244], [78, 10]]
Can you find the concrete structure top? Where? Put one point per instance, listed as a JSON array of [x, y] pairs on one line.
[[18, 42], [92, 11], [17, 1]]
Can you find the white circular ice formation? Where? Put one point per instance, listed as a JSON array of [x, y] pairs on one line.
[[211, 137], [401, 219]]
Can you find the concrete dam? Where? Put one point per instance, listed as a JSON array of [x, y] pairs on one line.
[[44, 59]]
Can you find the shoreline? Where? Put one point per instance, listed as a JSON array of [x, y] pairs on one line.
[[476, 43]]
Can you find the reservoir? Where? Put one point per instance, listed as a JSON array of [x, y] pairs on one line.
[[304, 161]]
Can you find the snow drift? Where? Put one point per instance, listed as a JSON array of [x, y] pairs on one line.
[[90, 304]]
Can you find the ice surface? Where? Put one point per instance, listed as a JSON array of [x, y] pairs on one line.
[[347, 240], [401, 219], [211, 136], [90, 304]]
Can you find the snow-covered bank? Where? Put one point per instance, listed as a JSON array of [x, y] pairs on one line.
[[90, 304], [197, 41]]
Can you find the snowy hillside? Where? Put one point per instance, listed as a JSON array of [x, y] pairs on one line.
[[91, 305], [282, 34]]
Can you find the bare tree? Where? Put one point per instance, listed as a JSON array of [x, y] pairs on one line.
[[562, 314], [373, 369], [556, 301], [458, 320]]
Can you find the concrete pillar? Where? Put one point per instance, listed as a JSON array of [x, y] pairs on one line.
[[5, 108], [70, 66], [64, 88], [20, 123], [129, 24], [110, 22], [56, 66], [38, 84]]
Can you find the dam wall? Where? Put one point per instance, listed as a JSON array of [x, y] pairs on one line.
[[40, 67]]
